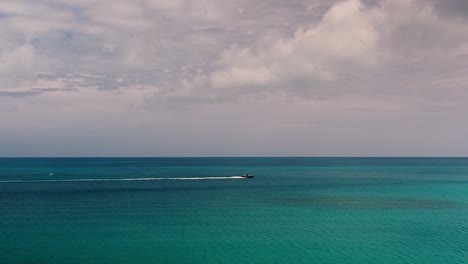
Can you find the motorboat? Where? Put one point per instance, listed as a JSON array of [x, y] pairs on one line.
[[249, 176]]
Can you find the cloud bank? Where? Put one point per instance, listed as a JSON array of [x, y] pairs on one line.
[[322, 72]]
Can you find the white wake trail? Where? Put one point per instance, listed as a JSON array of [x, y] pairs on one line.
[[126, 179]]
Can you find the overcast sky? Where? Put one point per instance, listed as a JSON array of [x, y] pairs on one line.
[[233, 78]]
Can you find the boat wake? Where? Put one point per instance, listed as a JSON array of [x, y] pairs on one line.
[[126, 179]]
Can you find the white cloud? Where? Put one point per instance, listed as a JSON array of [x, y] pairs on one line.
[[18, 65], [206, 51], [21, 58], [350, 42], [347, 35], [62, 61]]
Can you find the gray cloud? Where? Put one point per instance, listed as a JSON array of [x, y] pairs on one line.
[[19, 94], [452, 7], [134, 37], [34, 92], [148, 73], [355, 47]]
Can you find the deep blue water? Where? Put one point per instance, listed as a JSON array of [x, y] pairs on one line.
[[295, 210]]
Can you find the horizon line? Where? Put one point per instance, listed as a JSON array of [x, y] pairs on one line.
[[162, 157]]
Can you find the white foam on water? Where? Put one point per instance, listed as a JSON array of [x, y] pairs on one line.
[[126, 179]]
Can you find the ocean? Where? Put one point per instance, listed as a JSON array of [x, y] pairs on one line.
[[197, 210]]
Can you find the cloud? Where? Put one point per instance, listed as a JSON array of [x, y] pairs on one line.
[[21, 58], [332, 57], [305, 69], [19, 94], [18, 65], [346, 35], [129, 44], [451, 8], [203, 52]]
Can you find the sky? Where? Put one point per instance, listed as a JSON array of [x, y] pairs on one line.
[[233, 78]]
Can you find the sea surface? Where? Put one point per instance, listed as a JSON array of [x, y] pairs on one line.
[[196, 210]]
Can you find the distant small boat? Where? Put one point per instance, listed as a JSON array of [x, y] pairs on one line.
[[247, 176]]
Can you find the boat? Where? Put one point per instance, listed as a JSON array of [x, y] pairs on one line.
[[249, 176]]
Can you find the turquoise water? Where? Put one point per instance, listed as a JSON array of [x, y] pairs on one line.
[[295, 210]]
